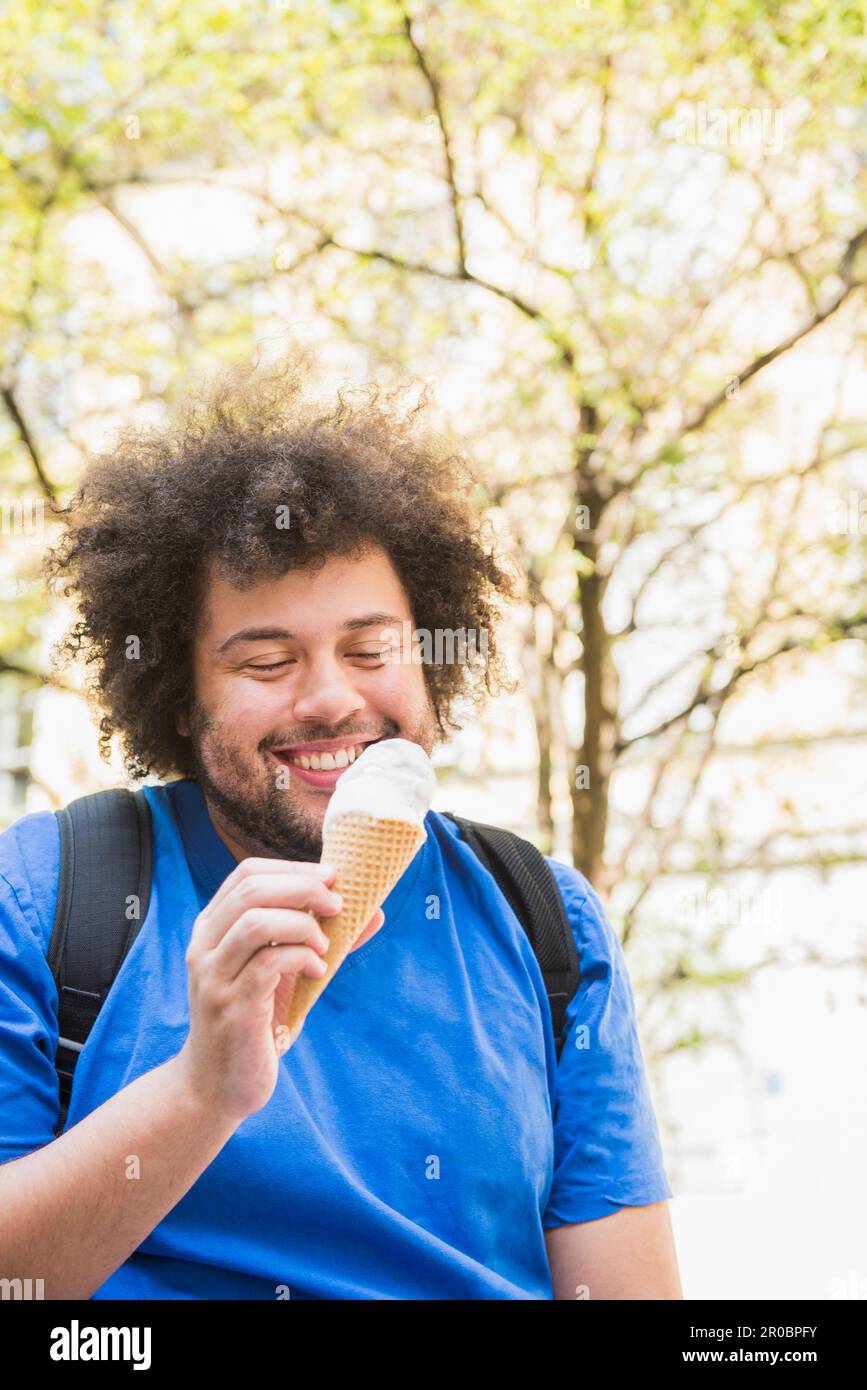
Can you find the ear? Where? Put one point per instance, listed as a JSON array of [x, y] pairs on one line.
[[182, 726]]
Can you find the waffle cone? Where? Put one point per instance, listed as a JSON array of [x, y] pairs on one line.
[[369, 855]]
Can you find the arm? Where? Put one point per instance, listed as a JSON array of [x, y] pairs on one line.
[[628, 1255], [72, 1212], [607, 1223]]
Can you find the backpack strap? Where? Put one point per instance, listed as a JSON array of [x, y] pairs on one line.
[[528, 884], [105, 859]]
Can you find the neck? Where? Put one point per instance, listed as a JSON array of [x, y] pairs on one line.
[[238, 852], [240, 849]]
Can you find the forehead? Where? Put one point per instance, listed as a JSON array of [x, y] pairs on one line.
[[304, 600]]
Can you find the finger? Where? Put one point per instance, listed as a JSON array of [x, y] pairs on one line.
[[371, 929], [252, 867], [302, 891], [284, 1037], [261, 976], [261, 928]]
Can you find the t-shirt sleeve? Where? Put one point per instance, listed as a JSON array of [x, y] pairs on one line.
[[29, 1096], [607, 1151]]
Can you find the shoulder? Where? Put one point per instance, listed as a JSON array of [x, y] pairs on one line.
[[576, 891], [30, 864], [594, 936], [589, 921], [30, 869]]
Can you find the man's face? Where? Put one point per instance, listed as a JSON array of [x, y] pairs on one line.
[[329, 693]]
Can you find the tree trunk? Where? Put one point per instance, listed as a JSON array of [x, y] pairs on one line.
[[535, 663], [545, 812], [590, 774], [592, 770]]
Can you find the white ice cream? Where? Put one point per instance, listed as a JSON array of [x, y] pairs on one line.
[[393, 780]]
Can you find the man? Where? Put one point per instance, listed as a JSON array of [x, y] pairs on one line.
[[245, 579]]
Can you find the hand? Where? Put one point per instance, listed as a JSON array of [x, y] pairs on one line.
[[248, 946]]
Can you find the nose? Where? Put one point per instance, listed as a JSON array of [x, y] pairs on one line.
[[325, 692]]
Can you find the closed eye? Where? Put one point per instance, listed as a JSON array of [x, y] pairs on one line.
[[363, 656]]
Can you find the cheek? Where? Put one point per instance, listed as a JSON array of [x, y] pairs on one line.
[[237, 705], [400, 686]]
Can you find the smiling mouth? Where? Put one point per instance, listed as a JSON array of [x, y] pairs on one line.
[[334, 758]]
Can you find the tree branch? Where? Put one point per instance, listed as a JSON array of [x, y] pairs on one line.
[[436, 98], [700, 415], [11, 402]]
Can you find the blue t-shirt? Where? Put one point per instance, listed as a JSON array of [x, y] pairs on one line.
[[421, 1137]]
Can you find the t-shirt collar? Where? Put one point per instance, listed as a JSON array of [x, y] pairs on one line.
[[209, 858]]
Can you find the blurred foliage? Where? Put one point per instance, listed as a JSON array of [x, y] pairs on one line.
[[531, 204]]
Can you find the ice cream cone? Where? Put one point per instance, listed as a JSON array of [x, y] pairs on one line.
[[369, 854]]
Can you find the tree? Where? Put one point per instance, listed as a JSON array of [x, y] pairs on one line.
[[626, 224]]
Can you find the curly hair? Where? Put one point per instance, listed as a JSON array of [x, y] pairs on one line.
[[151, 513]]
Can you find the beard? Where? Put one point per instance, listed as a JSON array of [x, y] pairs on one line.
[[268, 817]]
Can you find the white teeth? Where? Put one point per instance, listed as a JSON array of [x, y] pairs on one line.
[[328, 762]]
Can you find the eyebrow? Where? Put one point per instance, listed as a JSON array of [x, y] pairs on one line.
[[277, 634]]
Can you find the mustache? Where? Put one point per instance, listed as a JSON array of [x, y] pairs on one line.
[[320, 733]]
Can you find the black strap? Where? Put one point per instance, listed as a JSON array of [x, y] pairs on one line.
[[525, 879], [102, 900]]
